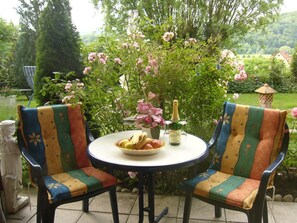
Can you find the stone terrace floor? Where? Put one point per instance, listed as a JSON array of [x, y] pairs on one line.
[[100, 211]]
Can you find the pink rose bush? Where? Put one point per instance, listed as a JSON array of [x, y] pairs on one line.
[[148, 116]]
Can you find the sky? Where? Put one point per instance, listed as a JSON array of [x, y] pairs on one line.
[[86, 18]]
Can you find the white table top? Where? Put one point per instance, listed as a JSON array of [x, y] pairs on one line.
[[191, 150]]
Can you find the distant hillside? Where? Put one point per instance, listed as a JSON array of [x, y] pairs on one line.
[[281, 33]]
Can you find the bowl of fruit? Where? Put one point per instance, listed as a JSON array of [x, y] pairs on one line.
[[140, 145]]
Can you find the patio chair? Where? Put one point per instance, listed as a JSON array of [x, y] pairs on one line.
[[54, 140], [249, 144], [29, 72]]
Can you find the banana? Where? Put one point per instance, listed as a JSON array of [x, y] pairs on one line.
[[138, 137], [146, 140]]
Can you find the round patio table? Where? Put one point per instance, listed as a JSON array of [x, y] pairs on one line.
[[104, 152]]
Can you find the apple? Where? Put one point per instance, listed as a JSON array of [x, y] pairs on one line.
[[147, 146], [156, 143]]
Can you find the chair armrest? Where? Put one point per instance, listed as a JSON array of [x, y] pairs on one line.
[[215, 135], [35, 168], [90, 137]]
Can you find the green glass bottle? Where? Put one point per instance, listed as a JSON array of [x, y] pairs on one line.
[[175, 126]]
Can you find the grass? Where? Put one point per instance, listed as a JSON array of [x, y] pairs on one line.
[[10, 111], [280, 101]]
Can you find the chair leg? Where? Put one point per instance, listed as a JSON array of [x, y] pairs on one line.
[[114, 205], [218, 211], [39, 211], [187, 207], [254, 217], [265, 213], [48, 216], [85, 205]]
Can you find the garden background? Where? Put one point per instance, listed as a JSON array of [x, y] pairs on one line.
[[144, 51]]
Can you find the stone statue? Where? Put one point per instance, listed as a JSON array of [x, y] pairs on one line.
[[11, 168]]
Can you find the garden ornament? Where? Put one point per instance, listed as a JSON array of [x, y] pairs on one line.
[[11, 168], [265, 95]]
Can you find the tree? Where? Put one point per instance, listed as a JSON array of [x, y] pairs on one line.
[[8, 35], [197, 18], [58, 48], [294, 65], [25, 53]]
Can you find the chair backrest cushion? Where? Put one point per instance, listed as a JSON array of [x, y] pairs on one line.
[[250, 139], [55, 137]]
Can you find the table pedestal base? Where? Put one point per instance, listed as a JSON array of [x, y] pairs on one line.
[[151, 200]]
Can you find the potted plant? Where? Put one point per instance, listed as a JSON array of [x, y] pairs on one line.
[[149, 119]]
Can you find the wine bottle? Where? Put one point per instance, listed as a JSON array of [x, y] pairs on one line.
[[175, 126]]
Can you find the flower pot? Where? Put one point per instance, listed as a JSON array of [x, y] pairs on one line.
[[153, 133]]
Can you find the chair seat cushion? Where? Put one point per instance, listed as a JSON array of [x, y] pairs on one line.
[[230, 189], [77, 182]]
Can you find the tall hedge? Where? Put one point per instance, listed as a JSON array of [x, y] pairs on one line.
[[58, 48], [25, 53]]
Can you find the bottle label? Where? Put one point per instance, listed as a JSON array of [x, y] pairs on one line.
[[174, 137]]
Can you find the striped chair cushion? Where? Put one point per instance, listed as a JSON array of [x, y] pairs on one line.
[[55, 137], [234, 190], [77, 182], [249, 141]]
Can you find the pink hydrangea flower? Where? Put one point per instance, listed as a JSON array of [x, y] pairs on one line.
[[148, 115]]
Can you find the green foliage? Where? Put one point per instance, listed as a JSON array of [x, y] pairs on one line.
[[118, 73], [263, 70], [58, 47], [198, 19], [8, 35], [25, 54], [294, 65], [282, 33]]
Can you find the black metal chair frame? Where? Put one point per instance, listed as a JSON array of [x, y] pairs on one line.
[[259, 209], [46, 210]]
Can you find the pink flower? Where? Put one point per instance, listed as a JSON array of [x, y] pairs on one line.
[[294, 112], [237, 77], [92, 57], [168, 36], [136, 45], [101, 60], [139, 61], [87, 70], [148, 69], [148, 115], [132, 174], [192, 40], [125, 45], [68, 86], [117, 60]]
